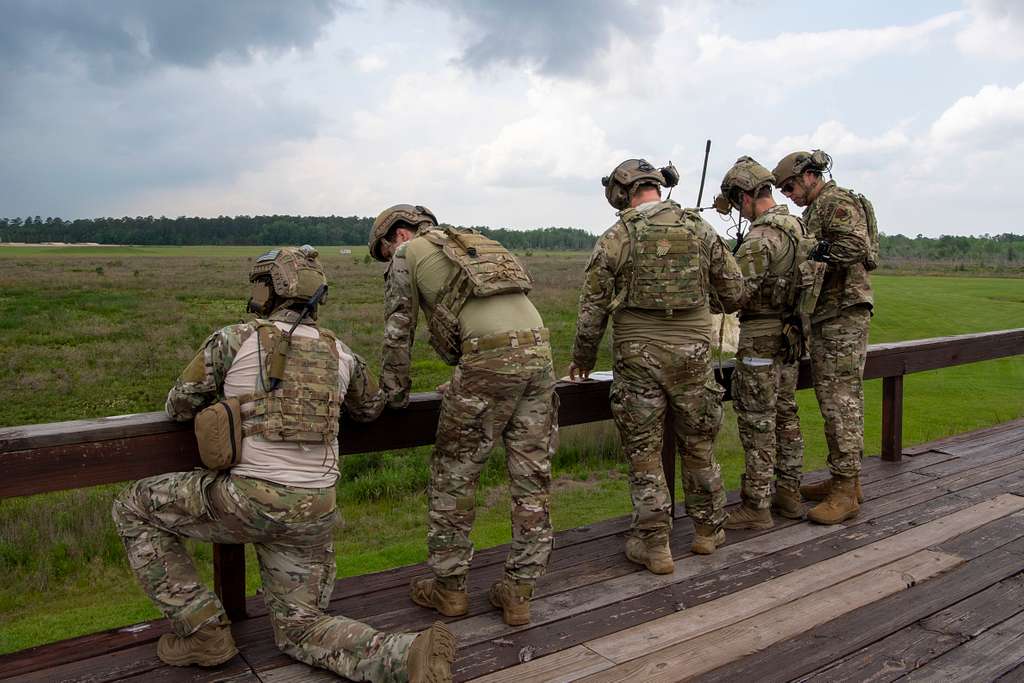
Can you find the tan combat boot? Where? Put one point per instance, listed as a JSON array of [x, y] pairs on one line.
[[653, 553], [706, 539], [819, 490], [746, 516], [513, 599], [786, 502], [211, 645], [431, 655], [841, 503], [426, 591]]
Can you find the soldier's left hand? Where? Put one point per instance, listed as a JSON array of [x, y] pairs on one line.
[[441, 388], [575, 369]]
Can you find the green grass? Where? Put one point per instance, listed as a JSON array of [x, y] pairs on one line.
[[94, 331]]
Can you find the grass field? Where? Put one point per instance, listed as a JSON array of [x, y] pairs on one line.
[[95, 331]]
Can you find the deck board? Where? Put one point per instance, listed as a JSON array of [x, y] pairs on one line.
[[961, 619]]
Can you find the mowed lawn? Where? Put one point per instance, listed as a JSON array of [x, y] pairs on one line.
[[94, 331]]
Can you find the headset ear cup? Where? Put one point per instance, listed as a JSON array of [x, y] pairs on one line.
[[260, 298], [671, 175]]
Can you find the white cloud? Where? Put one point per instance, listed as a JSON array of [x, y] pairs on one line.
[[996, 29], [370, 63], [833, 137], [994, 116]]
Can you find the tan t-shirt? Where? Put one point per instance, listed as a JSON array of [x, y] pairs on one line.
[[430, 269], [307, 465]]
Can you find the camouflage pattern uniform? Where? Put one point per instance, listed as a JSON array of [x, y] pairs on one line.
[[499, 389], [764, 382], [650, 376], [839, 331], [291, 529]]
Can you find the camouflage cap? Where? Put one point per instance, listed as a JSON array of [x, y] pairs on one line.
[[411, 214], [796, 163], [630, 174], [295, 273]]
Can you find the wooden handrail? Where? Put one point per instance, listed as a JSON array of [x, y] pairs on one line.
[[67, 455]]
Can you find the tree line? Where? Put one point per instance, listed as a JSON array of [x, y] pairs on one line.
[[252, 230], [984, 250]]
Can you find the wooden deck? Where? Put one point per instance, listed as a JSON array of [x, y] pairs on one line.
[[926, 584]]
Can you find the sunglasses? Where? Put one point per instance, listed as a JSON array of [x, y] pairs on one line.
[[787, 187]]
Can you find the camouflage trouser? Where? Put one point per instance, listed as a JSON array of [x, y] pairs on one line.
[[764, 393], [648, 379], [838, 351], [290, 529], [508, 393]]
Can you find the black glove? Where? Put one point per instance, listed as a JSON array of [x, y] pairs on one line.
[[792, 341], [820, 252]]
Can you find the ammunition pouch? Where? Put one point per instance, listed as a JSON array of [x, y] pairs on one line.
[[445, 334]]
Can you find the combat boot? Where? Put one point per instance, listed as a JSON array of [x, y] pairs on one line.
[[746, 516], [211, 645], [706, 539], [786, 502], [819, 490], [841, 503], [513, 599], [653, 553], [427, 591], [431, 655]]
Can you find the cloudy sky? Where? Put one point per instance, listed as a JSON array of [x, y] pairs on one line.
[[503, 113]]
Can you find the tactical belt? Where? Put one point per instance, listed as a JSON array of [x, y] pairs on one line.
[[511, 339], [762, 316]]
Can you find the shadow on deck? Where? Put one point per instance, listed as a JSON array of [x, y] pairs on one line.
[[927, 582]]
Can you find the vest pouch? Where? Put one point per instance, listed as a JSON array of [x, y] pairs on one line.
[[445, 334], [219, 434]]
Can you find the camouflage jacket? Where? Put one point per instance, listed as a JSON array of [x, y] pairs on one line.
[[607, 274], [837, 215], [768, 259], [202, 381], [401, 310]]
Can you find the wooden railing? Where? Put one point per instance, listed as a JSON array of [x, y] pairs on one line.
[[67, 455]]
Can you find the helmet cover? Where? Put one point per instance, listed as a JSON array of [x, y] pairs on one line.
[[413, 215], [623, 182]]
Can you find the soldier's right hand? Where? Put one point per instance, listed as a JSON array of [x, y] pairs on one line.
[[574, 369]]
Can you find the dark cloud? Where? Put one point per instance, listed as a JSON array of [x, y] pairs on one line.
[[559, 38], [116, 39]]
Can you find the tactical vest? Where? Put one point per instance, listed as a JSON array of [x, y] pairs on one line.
[[782, 280], [668, 266], [306, 406], [485, 268]]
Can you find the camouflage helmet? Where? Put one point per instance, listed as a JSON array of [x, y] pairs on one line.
[[620, 186], [797, 162], [389, 217], [745, 175], [289, 274]]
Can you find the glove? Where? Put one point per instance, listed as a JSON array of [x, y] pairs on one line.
[[820, 252]]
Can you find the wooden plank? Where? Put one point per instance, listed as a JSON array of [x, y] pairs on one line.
[[637, 641], [298, 673], [976, 614], [820, 646], [892, 418], [706, 652], [564, 666], [993, 653], [986, 538], [485, 627], [229, 578]]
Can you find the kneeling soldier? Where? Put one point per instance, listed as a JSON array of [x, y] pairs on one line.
[[280, 494], [473, 292]]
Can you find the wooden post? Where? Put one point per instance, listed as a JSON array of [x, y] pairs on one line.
[[229, 578], [668, 457], [892, 418]]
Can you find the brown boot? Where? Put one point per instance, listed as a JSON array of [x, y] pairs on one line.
[[426, 591], [431, 655], [209, 646], [746, 516], [706, 539], [653, 553], [786, 503], [819, 490], [513, 599], [841, 503]]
